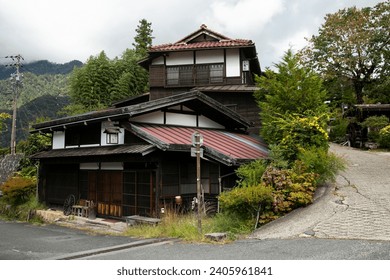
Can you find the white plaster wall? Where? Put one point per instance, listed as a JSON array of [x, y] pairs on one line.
[[181, 119], [158, 61], [208, 123], [89, 166], [232, 63], [154, 117], [111, 166], [180, 58], [215, 56], [58, 140]]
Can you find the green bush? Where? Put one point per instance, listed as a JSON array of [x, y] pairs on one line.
[[375, 124], [250, 174], [18, 190], [245, 201], [338, 130], [291, 188], [384, 137], [321, 162], [300, 131]]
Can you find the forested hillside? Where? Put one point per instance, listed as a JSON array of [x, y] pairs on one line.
[[41, 67], [45, 92]]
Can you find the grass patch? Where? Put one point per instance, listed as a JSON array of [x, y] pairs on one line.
[[21, 212], [185, 227]]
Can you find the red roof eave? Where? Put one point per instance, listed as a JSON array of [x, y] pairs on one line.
[[230, 146]]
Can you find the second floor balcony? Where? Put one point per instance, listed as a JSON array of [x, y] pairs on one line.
[[194, 75]]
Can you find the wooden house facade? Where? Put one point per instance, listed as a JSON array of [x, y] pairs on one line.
[[135, 158]]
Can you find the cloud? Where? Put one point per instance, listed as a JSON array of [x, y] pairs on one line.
[[243, 17], [60, 30]]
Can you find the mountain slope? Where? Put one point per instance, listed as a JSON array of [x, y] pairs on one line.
[[41, 67]]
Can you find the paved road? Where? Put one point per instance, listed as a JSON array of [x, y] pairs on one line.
[[357, 206], [272, 249], [23, 241]]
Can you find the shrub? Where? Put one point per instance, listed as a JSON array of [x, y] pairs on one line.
[[300, 131], [246, 200], [338, 130], [375, 124], [321, 162], [291, 189], [17, 190], [384, 137], [250, 173]]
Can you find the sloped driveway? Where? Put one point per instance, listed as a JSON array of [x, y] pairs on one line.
[[357, 206]]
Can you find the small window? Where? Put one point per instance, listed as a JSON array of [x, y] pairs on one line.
[[172, 75], [112, 138]]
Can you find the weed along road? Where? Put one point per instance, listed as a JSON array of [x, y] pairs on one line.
[[22, 241]]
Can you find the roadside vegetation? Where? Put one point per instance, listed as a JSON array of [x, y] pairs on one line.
[[18, 201]]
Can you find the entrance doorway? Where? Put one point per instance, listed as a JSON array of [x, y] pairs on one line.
[[105, 187], [138, 193]]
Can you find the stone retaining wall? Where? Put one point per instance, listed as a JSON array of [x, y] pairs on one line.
[[9, 164]]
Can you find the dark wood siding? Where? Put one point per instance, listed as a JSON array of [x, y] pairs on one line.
[[157, 75], [61, 181], [243, 103]]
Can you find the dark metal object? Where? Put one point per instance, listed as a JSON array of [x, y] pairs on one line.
[[68, 203]]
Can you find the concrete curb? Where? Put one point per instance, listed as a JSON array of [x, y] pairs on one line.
[[88, 253]]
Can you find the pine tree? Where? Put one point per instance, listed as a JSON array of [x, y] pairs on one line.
[[143, 39], [291, 91]]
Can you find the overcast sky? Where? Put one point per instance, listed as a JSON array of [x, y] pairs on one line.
[[64, 30]]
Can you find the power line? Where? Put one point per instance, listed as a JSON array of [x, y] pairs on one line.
[[16, 80]]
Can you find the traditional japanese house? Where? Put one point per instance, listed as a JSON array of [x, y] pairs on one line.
[[135, 158]]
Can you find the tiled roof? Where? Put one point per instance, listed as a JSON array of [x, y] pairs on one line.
[[202, 45], [190, 42]]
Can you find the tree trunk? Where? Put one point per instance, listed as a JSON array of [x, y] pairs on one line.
[[358, 85]]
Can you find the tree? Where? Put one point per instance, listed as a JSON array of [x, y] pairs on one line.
[[91, 84], [132, 79], [102, 81], [3, 117], [143, 39], [294, 92], [353, 43]]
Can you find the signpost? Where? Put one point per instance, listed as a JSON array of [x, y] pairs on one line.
[[197, 142]]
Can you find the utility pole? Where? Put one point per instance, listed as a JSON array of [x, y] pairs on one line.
[[197, 142], [16, 80]]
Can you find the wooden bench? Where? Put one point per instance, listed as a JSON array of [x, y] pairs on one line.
[[142, 220]]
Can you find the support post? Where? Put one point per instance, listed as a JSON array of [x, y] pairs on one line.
[[198, 182]]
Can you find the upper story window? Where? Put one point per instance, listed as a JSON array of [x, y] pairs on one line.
[[199, 74], [82, 135]]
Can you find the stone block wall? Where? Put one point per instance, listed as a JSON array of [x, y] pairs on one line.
[[9, 164]]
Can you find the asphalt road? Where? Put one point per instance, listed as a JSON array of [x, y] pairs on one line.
[[21, 241]]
